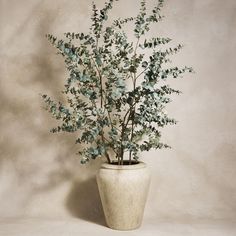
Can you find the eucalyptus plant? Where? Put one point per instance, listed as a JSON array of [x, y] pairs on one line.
[[116, 91]]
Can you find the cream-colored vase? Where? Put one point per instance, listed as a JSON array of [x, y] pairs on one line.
[[123, 191]]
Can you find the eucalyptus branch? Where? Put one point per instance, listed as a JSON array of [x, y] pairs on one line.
[[112, 146], [139, 110], [100, 78], [106, 154], [109, 117], [136, 46], [142, 72], [133, 106]]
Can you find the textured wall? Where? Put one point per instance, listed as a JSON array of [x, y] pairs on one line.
[[40, 175]]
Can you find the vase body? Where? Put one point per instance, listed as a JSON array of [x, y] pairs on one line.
[[123, 191]]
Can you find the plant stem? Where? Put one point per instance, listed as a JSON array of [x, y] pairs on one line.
[[113, 149], [100, 78], [131, 138], [101, 92], [113, 127], [108, 158], [142, 72], [136, 46], [119, 157], [130, 111], [132, 128], [133, 105]]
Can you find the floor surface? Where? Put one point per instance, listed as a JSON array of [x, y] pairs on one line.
[[73, 226]]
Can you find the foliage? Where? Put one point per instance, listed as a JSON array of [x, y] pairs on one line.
[[109, 116]]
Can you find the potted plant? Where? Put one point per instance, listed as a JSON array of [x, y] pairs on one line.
[[116, 94]]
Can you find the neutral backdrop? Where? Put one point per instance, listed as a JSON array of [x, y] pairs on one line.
[[40, 174]]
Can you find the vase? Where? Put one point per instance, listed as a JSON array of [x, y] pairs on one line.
[[123, 191]]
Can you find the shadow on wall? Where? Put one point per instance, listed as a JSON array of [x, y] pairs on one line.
[[23, 142], [84, 201], [37, 160]]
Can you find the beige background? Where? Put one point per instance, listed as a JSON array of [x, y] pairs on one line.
[[40, 175]]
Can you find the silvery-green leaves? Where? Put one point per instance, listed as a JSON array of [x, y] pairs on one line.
[[143, 19], [154, 42], [109, 116]]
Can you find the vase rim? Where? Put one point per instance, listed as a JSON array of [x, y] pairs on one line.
[[133, 166]]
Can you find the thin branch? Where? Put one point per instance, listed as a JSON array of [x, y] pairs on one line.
[[136, 46], [100, 78], [109, 117], [106, 154], [142, 72]]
